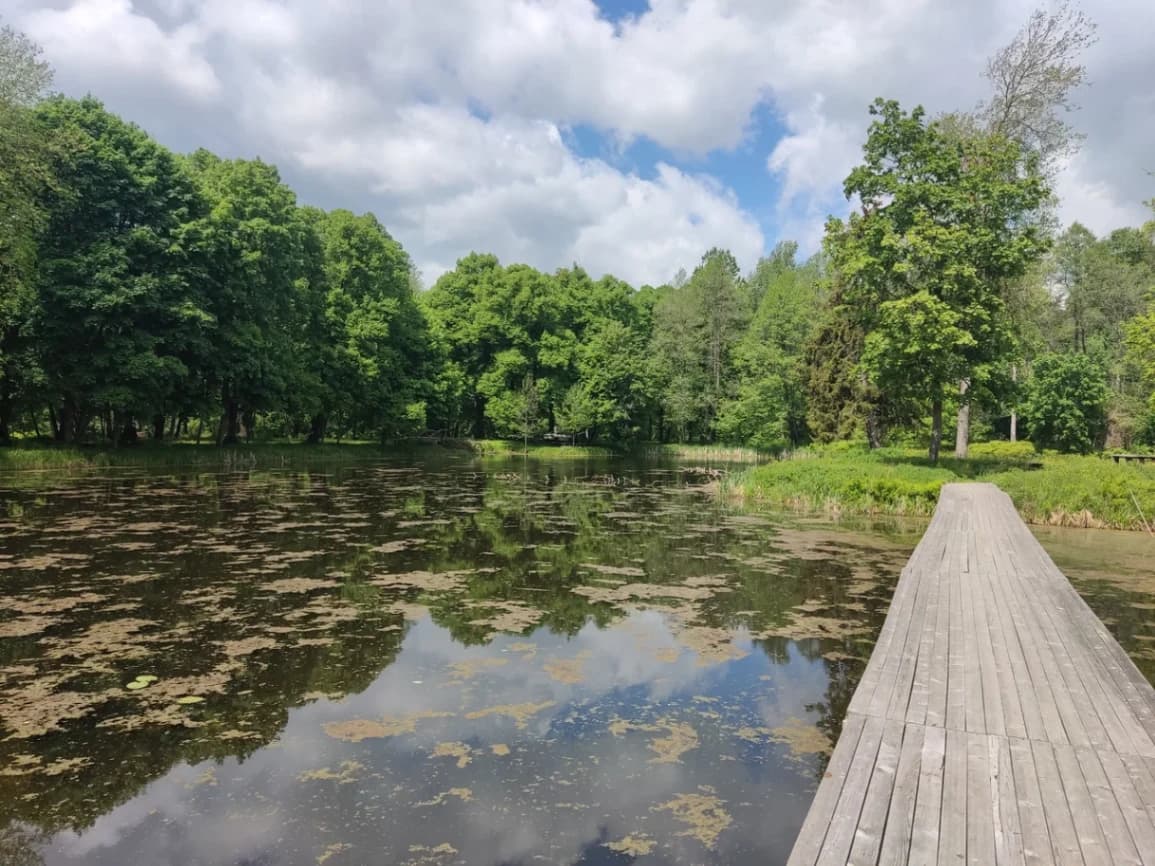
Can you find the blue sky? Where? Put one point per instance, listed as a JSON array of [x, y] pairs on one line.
[[627, 136]]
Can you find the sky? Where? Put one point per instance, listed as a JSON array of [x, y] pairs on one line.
[[627, 136]]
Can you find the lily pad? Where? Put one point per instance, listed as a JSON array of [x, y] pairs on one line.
[[146, 678], [190, 699], [136, 684]]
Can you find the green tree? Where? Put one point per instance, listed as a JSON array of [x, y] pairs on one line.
[[1066, 403], [369, 349], [25, 179], [262, 261], [944, 223], [768, 409], [696, 328], [117, 310]]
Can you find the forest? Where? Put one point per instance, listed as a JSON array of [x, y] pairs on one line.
[[146, 294]]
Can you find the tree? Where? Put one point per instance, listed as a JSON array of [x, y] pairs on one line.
[[944, 222], [369, 349], [117, 307], [768, 409], [260, 264], [25, 179], [1032, 79], [1066, 403]]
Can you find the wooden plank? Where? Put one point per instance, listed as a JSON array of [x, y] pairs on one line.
[[1143, 780], [1019, 703], [928, 807], [1032, 819], [980, 835], [813, 833], [1082, 809], [1064, 840], [972, 668], [1007, 826], [872, 820], [937, 676], [896, 841], [1116, 832], [924, 667], [1040, 710], [1135, 804], [952, 841], [840, 834]]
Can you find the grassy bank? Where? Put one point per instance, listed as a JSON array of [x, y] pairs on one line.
[[513, 448], [208, 456], [706, 453], [1050, 489]]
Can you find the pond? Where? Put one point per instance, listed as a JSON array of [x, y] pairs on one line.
[[452, 661]]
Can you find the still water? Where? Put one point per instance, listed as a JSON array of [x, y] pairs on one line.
[[449, 662]]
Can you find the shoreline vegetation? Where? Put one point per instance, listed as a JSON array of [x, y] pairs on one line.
[[842, 479], [41, 456], [1047, 488]]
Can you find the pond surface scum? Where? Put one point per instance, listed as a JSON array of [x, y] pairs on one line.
[[450, 662]]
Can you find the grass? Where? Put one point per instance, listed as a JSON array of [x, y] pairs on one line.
[[1053, 489], [708, 453], [513, 448], [149, 455]]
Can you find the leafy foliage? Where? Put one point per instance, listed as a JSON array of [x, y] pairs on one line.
[[944, 221], [1066, 405]]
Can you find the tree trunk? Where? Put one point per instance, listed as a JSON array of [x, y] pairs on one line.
[[158, 427], [250, 421], [66, 427], [1014, 411], [317, 429], [935, 429], [963, 428], [53, 423], [873, 430], [128, 433], [232, 419], [5, 412]]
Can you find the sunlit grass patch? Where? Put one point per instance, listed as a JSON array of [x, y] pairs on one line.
[[1055, 489]]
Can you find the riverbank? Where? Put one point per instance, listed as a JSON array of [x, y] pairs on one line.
[[1049, 489], [266, 455]]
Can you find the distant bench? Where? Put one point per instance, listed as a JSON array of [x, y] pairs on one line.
[[1142, 458]]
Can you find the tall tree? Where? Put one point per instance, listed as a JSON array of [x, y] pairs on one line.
[[25, 178], [259, 270], [943, 223], [1032, 81], [116, 308], [369, 348], [768, 409]]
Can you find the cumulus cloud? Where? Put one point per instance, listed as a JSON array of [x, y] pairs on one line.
[[452, 123]]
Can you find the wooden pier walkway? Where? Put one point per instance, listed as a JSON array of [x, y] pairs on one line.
[[997, 720]]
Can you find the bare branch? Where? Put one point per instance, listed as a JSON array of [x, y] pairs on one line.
[[1033, 78]]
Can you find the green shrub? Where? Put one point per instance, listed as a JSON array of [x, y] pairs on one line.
[[1002, 450], [1066, 403]]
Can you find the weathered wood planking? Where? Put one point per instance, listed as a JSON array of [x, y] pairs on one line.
[[997, 722]]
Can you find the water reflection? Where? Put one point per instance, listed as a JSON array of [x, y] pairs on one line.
[[431, 664]]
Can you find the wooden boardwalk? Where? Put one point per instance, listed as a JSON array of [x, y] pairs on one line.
[[997, 721]]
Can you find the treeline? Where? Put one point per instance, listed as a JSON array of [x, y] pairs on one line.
[[177, 296], [145, 293], [154, 290]]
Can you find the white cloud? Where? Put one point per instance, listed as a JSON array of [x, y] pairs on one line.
[[110, 41], [449, 122]]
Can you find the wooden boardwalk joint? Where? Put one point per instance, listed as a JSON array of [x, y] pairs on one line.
[[997, 722]]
